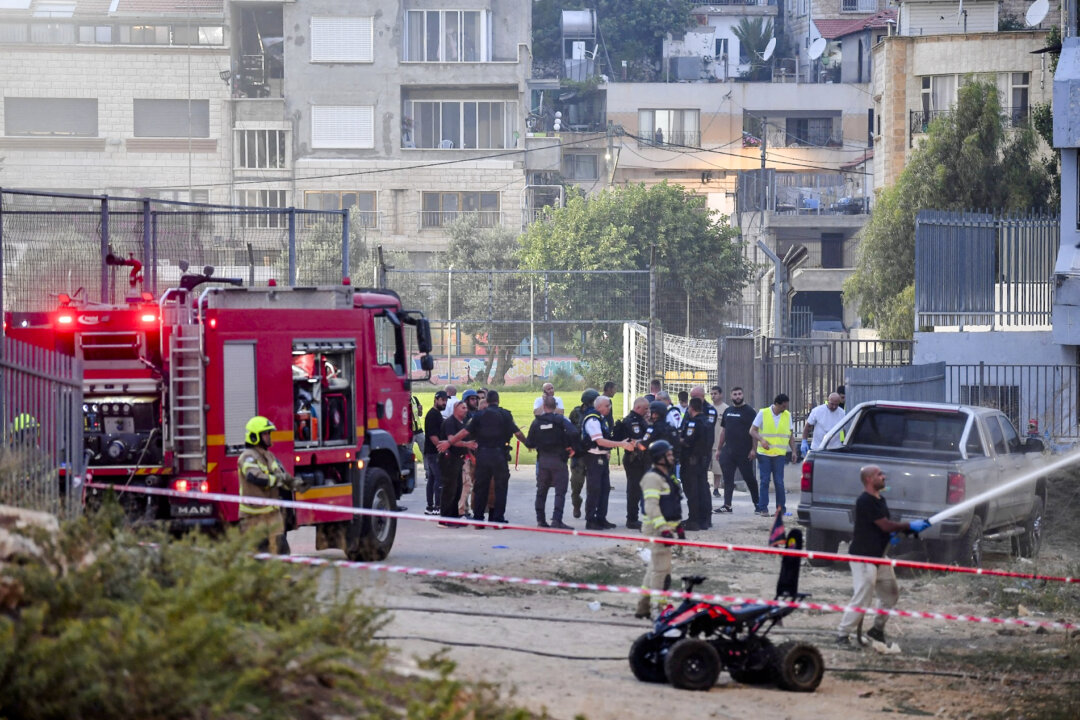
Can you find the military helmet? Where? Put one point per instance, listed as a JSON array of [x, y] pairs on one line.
[[589, 396], [255, 427], [659, 450], [658, 407]]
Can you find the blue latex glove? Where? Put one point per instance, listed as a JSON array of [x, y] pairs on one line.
[[805, 447], [894, 539], [917, 526]]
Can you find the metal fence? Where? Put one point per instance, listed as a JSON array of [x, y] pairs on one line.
[[41, 437], [984, 269], [808, 369], [51, 243]]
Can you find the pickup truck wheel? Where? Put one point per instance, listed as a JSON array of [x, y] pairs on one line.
[[822, 541], [1028, 544], [967, 550], [376, 535]]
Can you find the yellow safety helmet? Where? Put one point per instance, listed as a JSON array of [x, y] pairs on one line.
[[255, 427]]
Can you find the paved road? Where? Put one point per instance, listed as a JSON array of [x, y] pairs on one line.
[[426, 544]]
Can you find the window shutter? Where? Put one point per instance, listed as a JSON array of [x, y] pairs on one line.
[[336, 126], [341, 39]]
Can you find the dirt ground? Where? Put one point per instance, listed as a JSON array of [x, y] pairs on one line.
[[557, 651]]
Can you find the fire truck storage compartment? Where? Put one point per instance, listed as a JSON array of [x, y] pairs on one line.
[[241, 391], [120, 430], [323, 380]]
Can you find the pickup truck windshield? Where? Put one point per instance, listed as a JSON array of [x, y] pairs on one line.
[[903, 429]]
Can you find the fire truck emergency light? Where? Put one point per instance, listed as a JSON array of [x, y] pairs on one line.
[[149, 317], [65, 319], [191, 486]]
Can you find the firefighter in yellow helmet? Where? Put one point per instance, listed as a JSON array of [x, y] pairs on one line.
[[262, 476]]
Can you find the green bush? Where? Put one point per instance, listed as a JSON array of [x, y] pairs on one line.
[[103, 625]]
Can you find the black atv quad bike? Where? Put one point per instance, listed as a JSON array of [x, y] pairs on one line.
[[691, 643]]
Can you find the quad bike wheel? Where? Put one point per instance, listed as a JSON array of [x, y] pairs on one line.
[[761, 670], [646, 660], [799, 667], [692, 664]]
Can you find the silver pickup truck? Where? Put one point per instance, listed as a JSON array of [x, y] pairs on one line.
[[934, 456]]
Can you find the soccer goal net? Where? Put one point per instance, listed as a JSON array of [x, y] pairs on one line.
[[680, 363]]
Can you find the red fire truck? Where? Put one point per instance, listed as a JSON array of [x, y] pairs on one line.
[[169, 384]]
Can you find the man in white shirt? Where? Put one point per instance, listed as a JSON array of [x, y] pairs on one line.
[[451, 400], [821, 420], [548, 391], [674, 414]]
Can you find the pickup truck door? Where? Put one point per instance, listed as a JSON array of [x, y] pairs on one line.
[[1016, 504], [1005, 465]]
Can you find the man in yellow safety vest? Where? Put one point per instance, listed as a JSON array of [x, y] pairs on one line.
[[262, 476], [772, 433]]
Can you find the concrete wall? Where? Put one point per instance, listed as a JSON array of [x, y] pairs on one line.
[[998, 348], [940, 17]]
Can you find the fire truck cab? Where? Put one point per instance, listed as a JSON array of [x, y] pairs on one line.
[[170, 383]]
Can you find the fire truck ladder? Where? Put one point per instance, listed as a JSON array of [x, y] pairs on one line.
[[187, 419]]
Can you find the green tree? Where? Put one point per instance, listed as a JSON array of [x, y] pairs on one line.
[[753, 35], [696, 252], [483, 297], [967, 162]]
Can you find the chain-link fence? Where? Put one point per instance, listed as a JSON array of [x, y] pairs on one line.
[[518, 326], [106, 248]]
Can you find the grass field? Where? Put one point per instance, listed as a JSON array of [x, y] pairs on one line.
[[520, 403]]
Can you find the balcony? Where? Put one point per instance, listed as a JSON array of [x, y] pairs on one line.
[[675, 138], [778, 137], [442, 218], [920, 119], [859, 6]]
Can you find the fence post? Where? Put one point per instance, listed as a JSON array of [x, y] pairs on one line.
[[345, 247], [104, 248], [147, 259], [1, 286], [153, 253], [651, 359], [292, 247]]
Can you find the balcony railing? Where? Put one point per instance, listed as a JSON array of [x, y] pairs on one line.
[[778, 137], [442, 218], [686, 138], [921, 119]]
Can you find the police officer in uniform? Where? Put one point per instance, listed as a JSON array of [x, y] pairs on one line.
[[554, 438], [633, 428], [695, 441], [577, 463], [492, 429], [596, 437], [262, 476], [663, 513], [658, 428]]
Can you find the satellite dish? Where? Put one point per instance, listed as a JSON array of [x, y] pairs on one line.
[[1036, 12], [817, 48], [771, 47]]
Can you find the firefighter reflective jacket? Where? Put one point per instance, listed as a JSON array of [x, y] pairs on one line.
[[260, 476]]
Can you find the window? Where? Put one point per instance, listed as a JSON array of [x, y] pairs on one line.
[[447, 36], [145, 34], [197, 35], [672, 127], [96, 34], [721, 49], [262, 149], [14, 32], [341, 126], [270, 199], [441, 208], [1019, 83], [1012, 440], [388, 347], [172, 118], [364, 203], [816, 132], [63, 117], [580, 167], [1005, 398], [342, 40], [52, 33], [472, 124]]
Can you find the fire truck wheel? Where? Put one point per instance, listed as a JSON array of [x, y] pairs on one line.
[[377, 533]]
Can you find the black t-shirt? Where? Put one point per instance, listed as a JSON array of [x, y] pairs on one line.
[[492, 427], [868, 539], [452, 426], [432, 426], [737, 422]]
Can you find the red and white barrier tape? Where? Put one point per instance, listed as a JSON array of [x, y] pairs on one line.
[[763, 550], [673, 594]]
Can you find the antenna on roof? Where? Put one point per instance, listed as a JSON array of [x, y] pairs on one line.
[[770, 48], [1037, 12], [817, 48]]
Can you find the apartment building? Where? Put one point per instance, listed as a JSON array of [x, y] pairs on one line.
[[126, 97]]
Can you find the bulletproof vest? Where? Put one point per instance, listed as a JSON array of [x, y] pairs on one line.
[[551, 433], [635, 426], [492, 430], [605, 428], [711, 414]]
